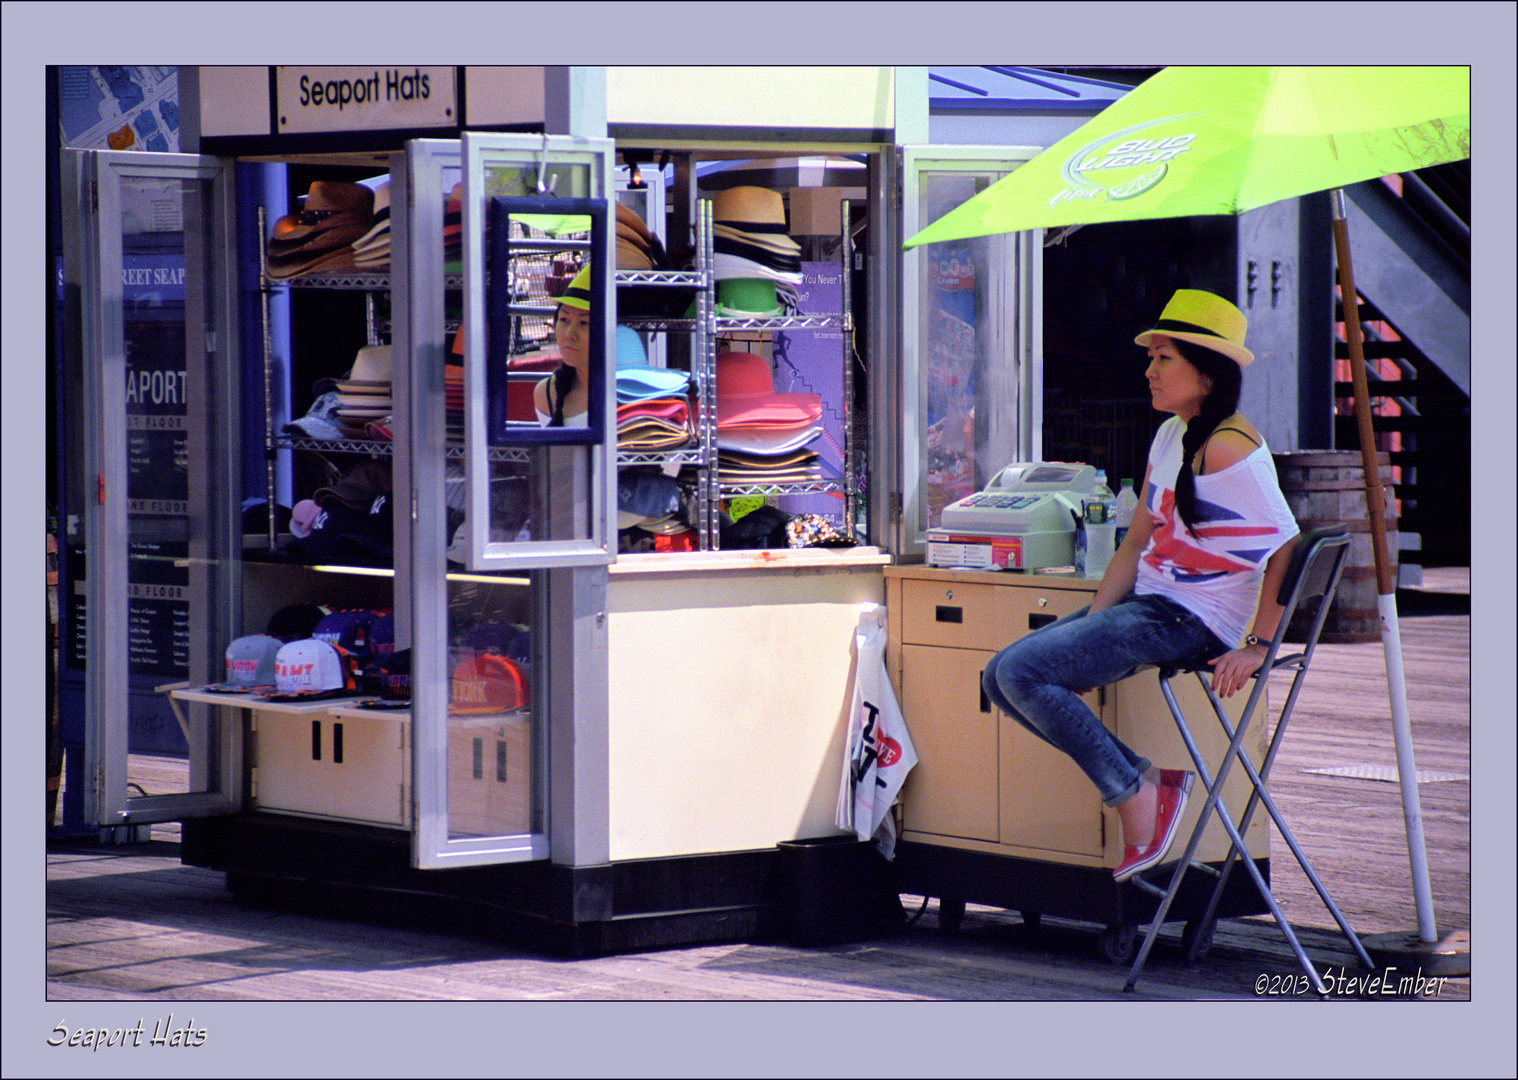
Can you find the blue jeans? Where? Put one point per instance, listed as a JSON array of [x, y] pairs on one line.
[[1034, 680]]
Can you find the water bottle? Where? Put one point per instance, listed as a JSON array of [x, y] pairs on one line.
[[1100, 514], [1127, 503]]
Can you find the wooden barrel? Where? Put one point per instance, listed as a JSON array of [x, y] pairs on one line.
[[1326, 487]]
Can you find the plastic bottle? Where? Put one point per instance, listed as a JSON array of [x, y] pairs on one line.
[[1127, 503], [1100, 513]]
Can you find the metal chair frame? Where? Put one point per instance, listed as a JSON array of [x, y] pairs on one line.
[[1314, 572]]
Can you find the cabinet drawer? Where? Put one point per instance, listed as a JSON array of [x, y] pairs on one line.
[[980, 616]]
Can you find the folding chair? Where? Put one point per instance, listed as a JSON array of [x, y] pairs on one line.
[[1311, 578]]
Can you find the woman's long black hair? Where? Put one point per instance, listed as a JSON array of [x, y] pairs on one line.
[[1221, 402]]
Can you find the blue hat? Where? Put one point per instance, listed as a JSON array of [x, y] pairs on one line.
[[350, 630], [643, 382]]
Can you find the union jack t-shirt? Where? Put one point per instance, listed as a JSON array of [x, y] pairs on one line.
[[1214, 568]]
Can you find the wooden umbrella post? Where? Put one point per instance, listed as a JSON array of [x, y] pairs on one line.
[[1386, 585]]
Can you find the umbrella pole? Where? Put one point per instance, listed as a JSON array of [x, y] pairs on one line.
[[1386, 586]]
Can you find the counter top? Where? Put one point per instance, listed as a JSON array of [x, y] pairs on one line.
[[1043, 579], [706, 562]]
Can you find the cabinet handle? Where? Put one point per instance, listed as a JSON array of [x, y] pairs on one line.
[[945, 613], [1037, 619], [316, 740], [337, 744], [985, 702]]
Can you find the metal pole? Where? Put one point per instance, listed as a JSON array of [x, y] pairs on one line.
[[1386, 586]]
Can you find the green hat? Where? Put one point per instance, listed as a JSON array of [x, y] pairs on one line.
[[577, 293], [1205, 319]]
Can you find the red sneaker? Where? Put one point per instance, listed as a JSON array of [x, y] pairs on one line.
[[1170, 804]]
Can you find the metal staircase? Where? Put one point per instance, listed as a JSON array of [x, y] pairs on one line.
[[1412, 268]]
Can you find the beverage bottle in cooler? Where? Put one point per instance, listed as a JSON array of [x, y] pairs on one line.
[[1127, 503], [1100, 527]]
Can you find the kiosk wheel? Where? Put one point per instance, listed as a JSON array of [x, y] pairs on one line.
[[1196, 938], [1119, 944], [951, 914]]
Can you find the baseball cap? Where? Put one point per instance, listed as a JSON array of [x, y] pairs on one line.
[[249, 664], [487, 683], [311, 669]]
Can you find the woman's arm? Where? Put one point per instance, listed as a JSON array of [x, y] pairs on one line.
[[1122, 571], [1231, 671]]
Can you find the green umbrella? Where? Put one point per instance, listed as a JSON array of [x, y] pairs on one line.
[[1192, 141], [1196, 141]]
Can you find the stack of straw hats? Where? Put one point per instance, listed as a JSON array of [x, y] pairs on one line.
[[757, 266]]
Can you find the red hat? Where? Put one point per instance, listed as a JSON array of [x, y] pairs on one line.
[[487, 683], [746, 396]]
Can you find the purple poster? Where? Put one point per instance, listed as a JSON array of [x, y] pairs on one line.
[[811, 362]]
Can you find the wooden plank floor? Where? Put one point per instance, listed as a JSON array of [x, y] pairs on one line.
[[133, 924]]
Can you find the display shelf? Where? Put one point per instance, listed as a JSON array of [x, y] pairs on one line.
[[803, 487], [385, 448], [684, 456], [262, 704], [784, 322]]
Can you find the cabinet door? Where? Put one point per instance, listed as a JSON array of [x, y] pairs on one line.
[[1046, 801], [289, 757], [368, 768], [952, 791], [970, 383]]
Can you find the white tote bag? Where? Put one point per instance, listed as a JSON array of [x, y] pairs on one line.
[[879, 748]]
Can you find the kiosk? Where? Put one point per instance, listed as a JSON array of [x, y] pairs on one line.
[[682, 713]]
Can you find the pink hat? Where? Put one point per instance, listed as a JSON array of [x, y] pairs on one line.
[[746, 396]]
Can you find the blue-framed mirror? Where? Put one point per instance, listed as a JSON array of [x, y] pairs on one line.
[[546, 339]]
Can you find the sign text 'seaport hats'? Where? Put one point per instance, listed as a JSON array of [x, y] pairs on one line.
[[487, 683], [312, 668], [1203, 318]]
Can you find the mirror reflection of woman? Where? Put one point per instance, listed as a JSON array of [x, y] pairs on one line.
[[563, 398]]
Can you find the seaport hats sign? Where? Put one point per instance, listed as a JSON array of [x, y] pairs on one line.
[[365, 98]]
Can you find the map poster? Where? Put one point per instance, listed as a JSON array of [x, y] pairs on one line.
[[119, 108]]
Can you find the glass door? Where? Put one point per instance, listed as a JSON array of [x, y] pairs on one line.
[[153, 484], [971, 386], [506, 530]]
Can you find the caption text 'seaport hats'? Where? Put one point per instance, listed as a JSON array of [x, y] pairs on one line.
[[1205, 319]]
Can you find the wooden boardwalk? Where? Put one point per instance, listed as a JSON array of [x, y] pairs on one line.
[[133, 924]]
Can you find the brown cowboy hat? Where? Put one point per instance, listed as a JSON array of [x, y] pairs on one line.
[[335, 214]]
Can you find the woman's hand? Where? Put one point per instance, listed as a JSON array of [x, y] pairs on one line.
[[1231, 671]]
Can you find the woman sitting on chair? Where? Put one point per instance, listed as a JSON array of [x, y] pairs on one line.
[[1208, 548]]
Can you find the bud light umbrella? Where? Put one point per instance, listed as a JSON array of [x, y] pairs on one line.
[[1196, 141]]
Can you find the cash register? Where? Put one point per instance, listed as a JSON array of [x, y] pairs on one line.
[[1025, 519]]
